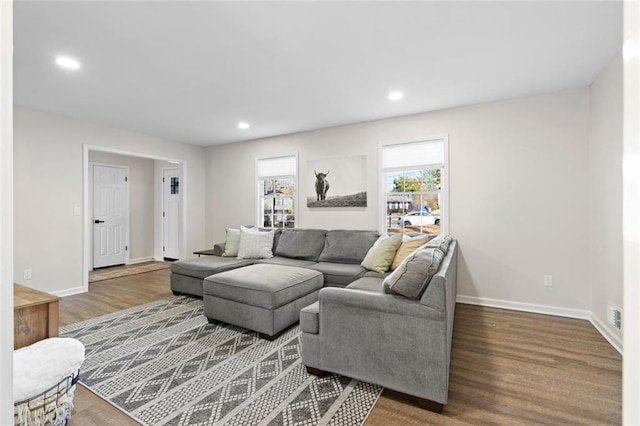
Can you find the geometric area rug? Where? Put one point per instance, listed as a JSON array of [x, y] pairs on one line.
[[162, 363]]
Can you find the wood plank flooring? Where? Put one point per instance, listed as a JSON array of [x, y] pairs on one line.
[[507, 367]]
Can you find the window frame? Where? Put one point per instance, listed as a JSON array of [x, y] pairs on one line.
[[260, 197], [445, 224]]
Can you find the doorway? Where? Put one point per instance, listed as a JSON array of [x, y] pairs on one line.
[[110, 208], [145, 239]]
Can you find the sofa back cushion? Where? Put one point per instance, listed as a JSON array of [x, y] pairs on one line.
[[301, 243], [412, 277], [347, 246]]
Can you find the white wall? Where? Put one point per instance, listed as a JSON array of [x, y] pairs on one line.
[[518, 173], [631, 215], [141, 201], [48, 184], [6, 213], [605, 196]]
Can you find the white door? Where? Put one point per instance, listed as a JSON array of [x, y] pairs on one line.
[[110, 213], [172, 212]]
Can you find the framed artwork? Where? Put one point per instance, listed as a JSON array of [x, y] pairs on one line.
[[337, 182]]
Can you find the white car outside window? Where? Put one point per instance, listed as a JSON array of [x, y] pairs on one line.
[[420, 218]]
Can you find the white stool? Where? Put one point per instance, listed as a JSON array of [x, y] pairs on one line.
[[44, 378]]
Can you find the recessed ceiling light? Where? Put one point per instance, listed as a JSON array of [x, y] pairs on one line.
[[67, 63], [395, 96], [243, 125]]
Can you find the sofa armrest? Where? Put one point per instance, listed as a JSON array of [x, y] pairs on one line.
[[390, 340], [378, 302], [218, 249]]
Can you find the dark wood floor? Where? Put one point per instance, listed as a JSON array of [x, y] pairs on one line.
[[507, 367]]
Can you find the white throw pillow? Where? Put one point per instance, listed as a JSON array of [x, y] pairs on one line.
[[255, 244], [232, 243]]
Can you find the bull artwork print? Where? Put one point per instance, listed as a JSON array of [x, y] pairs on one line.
[[348, 182], [322, 185]]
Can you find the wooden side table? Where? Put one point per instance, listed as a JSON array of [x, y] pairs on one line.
[[205, 252], [35, 315]]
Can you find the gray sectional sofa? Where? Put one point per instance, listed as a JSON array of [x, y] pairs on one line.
[[337, 254], [392, 329], [401, 343]]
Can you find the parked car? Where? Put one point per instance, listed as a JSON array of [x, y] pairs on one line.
[[419, 218]]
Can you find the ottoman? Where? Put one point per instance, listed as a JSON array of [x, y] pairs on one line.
[[265, 298]]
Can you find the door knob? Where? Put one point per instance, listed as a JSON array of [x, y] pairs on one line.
[[98, 221]]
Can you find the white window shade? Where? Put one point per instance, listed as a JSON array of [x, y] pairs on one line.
[[428, 153], [278, 166]]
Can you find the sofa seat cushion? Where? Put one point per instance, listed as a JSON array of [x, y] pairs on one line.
[[202, 267], [339, 273], [310, 318], [263, 285], [347, 246], [287, 261], [367, 284]]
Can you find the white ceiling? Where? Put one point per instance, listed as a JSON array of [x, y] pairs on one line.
[[190, 71]]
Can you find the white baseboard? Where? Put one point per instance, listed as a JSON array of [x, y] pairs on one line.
[[614, 340], [158, 259], [141, 260], [525, 307], [68, 291], [604, 329]]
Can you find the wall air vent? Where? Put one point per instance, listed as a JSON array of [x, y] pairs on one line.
[[614, 316]]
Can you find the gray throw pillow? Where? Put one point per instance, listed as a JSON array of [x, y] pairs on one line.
[[412, 277], [441, 242]]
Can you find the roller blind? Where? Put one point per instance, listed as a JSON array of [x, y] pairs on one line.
[[414, 154], [277, 166]]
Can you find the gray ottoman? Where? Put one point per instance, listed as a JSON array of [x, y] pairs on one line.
[[263, 297]]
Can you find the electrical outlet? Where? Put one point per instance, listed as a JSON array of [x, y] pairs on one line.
[[77, 211], [27, 274], [548, 280]]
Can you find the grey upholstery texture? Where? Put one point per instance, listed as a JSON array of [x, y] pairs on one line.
[[366, 284], [300, 243], [263, 285], [286, 261], [265, 298], [292, 247], [390, 340], [347, 246], [339, 273], [267, 321], [202, 267], [309, 318]]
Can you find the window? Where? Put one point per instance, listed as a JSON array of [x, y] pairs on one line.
[[414, 187], [277, 191]]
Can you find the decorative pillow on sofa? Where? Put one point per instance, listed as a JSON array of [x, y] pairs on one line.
[[406, 248], [255, 244], [441, 242], [381, 254], [232, 243], [412, 277]]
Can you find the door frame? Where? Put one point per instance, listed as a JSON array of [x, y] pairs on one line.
[[127, 208], [162, 201], [86, 218]]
